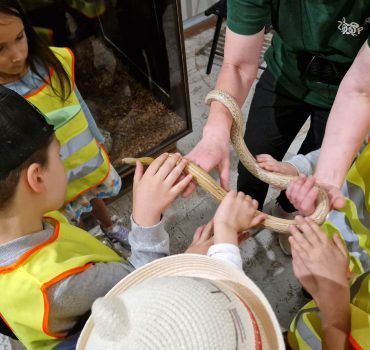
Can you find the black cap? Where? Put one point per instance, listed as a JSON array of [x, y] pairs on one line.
[[23, 130]]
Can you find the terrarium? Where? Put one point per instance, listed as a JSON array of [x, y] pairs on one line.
[[129, 66]]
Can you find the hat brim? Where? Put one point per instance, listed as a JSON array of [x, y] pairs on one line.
[[194, 265]]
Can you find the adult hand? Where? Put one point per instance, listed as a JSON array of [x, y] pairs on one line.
[[212, 152], [157, 188], [202, 240], [303, 193], [267, 162], [236, 213]]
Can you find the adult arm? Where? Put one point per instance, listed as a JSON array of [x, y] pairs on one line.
[[243, 44], [348, 123]]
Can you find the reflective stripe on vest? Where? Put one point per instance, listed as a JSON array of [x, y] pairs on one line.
[[308, 335], [302, 334], [24, 303], [87, 166], [353, 221], [353, 224]]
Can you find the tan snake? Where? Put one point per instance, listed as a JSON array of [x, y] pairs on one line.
[[205, 181]]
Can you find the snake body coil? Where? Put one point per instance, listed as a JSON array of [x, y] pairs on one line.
[[204, 180]]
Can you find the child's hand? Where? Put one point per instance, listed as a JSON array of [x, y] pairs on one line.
[[265, 161], [303, 193], [157, 188], [236, 213], [202, 240], [319, 263]]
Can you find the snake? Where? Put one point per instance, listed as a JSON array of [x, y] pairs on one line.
[[277, 180]]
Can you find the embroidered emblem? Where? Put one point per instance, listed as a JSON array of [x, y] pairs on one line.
[[352, 28]]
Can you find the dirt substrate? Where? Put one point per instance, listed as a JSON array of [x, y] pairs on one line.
[[136, 121]]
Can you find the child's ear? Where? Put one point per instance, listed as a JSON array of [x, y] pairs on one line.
[[35, 178]]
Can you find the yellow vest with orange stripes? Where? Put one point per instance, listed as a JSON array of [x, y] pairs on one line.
[[85, 161], [24, 304]]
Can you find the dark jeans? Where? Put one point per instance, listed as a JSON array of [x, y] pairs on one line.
[[275, 118]]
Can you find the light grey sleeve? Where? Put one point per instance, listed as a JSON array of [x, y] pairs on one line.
[[148, 243], [305, 164], [73, 296]]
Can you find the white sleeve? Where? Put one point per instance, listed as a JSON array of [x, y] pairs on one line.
[[226, 252]]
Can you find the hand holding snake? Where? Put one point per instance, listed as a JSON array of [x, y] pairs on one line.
[[206, 182]]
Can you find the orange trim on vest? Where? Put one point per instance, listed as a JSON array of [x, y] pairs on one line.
[[42, 87], [354, 343], [102, 148], [26, 255], [44, 288]]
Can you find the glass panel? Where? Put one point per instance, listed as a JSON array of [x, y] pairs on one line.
[[130, 67]]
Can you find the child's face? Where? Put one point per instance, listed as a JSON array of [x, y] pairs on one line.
[[13, 46], [55, 177]]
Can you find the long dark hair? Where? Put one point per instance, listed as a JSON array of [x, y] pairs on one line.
[[38, 51]]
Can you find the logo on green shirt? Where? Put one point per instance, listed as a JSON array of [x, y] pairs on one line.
[[352, 28]]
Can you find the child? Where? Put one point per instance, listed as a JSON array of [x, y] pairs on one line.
[[352, 221], [45, 77], [190, 302], [338, 318], [321, 263], [51, 271]]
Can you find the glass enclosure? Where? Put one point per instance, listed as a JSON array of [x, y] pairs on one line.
[[129, 66]]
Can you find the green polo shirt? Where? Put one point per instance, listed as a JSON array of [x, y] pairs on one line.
[[334, 28]]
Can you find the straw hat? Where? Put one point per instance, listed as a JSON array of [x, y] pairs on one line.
[[185, 301]]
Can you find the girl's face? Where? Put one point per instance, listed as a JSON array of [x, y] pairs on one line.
[[13, 46]]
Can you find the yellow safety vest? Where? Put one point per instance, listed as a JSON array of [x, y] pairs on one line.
[[305, 332], [24, 304], [85, 161], [353, 225], [353, 221]]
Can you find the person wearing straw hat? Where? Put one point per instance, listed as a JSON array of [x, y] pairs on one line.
[[186, 302], [189, 301]]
